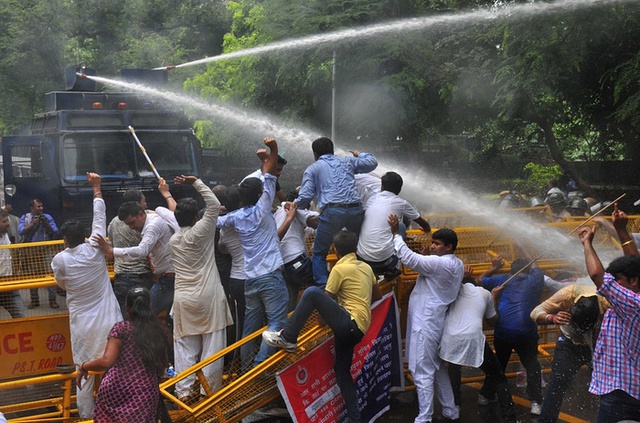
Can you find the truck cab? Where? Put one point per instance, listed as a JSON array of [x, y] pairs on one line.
[[86, 131]]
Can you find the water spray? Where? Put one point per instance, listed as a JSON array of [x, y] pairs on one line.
[[589, 219], [144, 152], [404, 26], [259, 123], [420, 187]]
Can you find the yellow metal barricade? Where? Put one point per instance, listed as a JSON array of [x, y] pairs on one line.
[[241, 391]]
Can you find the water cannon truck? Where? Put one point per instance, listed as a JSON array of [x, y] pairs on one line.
[[83, 130]]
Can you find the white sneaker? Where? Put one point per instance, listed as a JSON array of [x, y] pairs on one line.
[[536, 408], [275, 339], [482, 400]]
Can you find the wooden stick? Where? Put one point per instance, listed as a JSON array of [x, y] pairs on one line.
[[572, 231], [144, 151]]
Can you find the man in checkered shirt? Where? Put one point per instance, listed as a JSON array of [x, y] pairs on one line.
[[616, 359]]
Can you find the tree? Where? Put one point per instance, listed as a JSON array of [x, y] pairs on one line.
[[30, 59]]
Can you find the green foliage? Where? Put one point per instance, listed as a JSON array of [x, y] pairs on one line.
[[537, 177], [40, 38], [30, 51], [543, 88]]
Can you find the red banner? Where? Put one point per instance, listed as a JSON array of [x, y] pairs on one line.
[[309, 386]]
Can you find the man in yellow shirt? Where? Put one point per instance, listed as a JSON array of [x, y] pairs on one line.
[[345, 306]]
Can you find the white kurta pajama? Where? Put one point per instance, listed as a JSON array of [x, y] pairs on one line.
[[93, 308], [462, 339], [200, 309], [437, 286]]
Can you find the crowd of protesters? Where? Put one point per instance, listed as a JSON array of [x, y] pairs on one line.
[[221, 273]]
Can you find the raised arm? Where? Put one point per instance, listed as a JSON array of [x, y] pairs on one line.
[[620, 220], [496, 264], [205, 226], [291, 210], [364, 162], [163, 187], [307, 190], [423, 224], [271, 164], [594, 265], [99, 223], [411, 259]]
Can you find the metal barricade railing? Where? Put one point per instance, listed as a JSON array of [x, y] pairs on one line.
[[242, 392], [27, 267], [48, 397]]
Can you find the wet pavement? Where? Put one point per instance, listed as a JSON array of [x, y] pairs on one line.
[[579, 406]]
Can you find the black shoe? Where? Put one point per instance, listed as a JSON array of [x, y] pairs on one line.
[[392, 274]]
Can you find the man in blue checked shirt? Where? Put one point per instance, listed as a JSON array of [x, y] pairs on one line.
[[616, 358], [331, 180]]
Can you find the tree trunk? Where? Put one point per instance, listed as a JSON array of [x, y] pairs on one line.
[[558, 157]]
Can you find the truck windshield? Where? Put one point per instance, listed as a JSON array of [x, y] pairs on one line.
[[171, 153], [117, 156]]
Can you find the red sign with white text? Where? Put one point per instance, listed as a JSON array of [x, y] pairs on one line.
[[309, 386], [34, 346]]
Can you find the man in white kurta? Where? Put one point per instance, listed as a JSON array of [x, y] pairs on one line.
[[439, 279], [463, 343], [10, 300], [81, 270], [200, 309]]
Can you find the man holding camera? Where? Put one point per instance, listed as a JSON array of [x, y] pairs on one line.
[[37, 226]]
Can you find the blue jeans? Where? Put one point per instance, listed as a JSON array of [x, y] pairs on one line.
[[123, 282], [298, 274], [616, 406], [267, 296], [12, 302], [35, 297], [162, 295], [346, 333], [330, 222], [567, 360]]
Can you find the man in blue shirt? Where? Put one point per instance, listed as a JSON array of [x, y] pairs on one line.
[[331, 180], [515, 330], [37, 226], [264, 289]]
